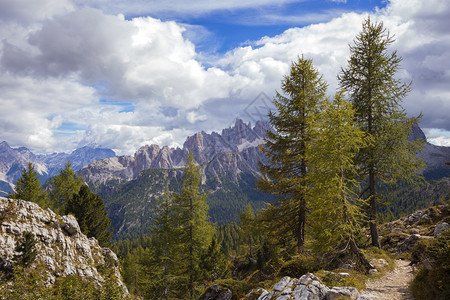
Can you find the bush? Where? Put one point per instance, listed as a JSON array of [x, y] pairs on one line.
[[433, 279], [298, 267]]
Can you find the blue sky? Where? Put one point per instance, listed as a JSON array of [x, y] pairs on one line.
[[122, 74]]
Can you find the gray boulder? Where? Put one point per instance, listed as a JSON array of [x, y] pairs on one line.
[[70, 225], [217, 292], [440, 227]]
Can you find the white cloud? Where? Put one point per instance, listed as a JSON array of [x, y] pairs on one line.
[[56, 71]]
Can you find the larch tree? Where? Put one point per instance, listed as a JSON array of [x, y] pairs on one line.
[[194, 231], [336, 213], [288, 150], [159, 264], [65, 185], [376, 94], [28, 187], [248, 227]]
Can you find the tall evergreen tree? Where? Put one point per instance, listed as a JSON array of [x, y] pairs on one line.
[[336, 211], [28, 187], [90, 212], [159, 264], [288, 149], [194, 230], [65, 185], [376, 95]]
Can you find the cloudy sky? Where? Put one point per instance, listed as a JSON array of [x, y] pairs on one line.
[[122, 74]]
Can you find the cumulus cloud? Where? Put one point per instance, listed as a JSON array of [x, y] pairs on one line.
[[77, 63]]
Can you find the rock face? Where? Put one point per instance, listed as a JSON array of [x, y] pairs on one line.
[[307, 287], [404, 233], [233, 151], [60, 245], [13, 160]]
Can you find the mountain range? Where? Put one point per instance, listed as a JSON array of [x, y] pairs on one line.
[[229, 160], [13, 160], [129, 185]]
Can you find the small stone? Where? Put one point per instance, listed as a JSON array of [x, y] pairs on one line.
[[341, 292]]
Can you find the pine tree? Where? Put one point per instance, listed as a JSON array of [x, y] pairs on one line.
[[26, 247], [376, 95], [194, 230], [28, 187], [65, 185], [213, 263], [336, 211], [90, 212], [288, 149]]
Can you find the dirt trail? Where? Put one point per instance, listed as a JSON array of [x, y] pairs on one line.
[[393, 285]]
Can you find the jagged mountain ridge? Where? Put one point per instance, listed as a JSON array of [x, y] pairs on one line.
[[13, 160], [233, 151]]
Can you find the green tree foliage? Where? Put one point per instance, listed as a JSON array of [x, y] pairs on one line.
[[91, 214], [193, 230], [26, 249], [28, 187], [336, 208], [213, 264], [31, 284], [159, 264], [376, 95], [288, 149], [249, 228], [65, 185]]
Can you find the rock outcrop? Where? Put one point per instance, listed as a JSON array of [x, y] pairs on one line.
[[401, 235], [307, 287], [61, 247]]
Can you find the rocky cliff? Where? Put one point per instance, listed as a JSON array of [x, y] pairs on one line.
[[61, 247], [233, 151]]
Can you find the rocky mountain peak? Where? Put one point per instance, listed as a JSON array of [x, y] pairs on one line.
[[233, 151]]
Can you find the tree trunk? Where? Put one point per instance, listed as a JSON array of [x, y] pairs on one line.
[[362, 261], [373, 210]]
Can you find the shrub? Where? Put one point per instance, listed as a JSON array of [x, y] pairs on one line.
[[433, 279]]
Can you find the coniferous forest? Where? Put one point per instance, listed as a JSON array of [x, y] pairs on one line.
[[332, 161]]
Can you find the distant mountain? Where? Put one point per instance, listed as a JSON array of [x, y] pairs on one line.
[[13, 160], [434, 156], [234, 151], [78, 158]]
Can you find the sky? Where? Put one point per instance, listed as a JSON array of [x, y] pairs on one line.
[[123, 74]]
